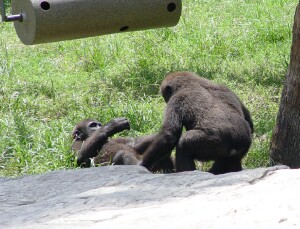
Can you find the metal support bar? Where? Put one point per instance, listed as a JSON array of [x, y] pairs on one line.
[[10, 18], [16, 17]]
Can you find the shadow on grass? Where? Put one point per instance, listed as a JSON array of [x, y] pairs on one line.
[[146, 80]]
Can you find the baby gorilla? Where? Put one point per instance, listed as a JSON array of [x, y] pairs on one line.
[[91, 141], [218, 125]]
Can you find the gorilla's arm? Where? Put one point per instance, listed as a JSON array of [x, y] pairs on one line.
[[139, 144], [142, 143], [165, 141], [95, 142]]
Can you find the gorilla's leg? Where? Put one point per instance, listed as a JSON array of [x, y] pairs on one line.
[[226, 165], [124, 158], [184, 162], [200, 145]]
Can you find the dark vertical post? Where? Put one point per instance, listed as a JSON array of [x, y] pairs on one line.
[[285, 145]]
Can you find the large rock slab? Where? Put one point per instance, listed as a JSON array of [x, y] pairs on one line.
[[131, 197]]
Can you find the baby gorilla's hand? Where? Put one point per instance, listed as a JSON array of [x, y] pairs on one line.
[[117, 125]]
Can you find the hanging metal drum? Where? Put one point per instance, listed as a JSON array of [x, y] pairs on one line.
[[57, 20]]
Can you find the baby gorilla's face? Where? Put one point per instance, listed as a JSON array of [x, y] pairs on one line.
[[84, 129]]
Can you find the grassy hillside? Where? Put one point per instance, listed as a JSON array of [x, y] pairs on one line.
[[45, 89]]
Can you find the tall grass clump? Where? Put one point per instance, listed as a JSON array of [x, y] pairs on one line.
[[45, 89]]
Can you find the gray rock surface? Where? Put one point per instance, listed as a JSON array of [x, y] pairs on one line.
[[131, 197]]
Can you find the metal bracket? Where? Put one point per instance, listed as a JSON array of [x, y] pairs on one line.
[[16, 17]]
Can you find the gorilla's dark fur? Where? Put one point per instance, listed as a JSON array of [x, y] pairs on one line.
[[91, 141], [218, 125]]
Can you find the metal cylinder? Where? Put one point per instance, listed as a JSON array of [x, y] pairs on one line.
[[57, 20]]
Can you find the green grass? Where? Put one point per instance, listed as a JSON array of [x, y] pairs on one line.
[[45, 89]]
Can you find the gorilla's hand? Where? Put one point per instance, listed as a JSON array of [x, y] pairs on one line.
[[117, 125]]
